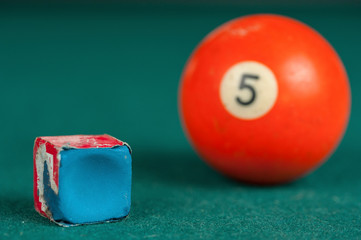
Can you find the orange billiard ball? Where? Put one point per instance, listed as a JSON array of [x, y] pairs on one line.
[[264, 99]]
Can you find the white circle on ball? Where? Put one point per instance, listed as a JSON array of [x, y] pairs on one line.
[[248, 90]]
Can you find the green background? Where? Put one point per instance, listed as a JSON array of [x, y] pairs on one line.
[[114, 68]]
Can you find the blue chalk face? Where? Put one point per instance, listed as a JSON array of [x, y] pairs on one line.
[[94, 185]]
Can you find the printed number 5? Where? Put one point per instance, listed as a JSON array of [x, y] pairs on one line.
[[244, 85]]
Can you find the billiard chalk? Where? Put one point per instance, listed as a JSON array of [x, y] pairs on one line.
[[82, 179]]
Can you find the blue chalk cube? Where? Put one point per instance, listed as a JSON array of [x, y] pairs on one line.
[[94, 185]]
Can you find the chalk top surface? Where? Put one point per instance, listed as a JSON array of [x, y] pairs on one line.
[[84, 141]]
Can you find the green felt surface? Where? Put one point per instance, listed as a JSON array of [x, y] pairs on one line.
[[114, 68]]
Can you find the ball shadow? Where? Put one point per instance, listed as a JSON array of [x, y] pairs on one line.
[[185, 168]]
